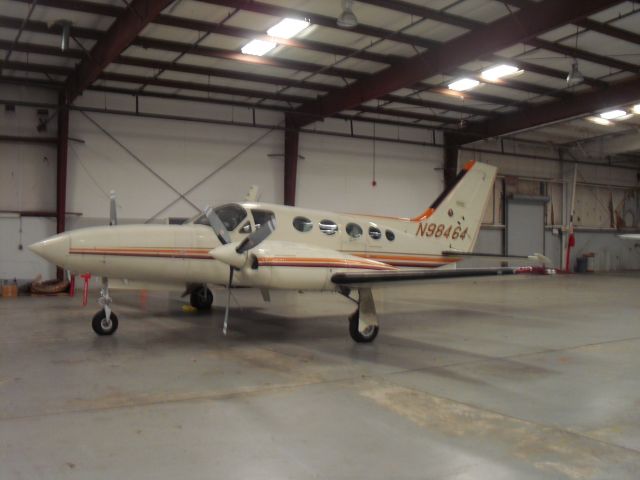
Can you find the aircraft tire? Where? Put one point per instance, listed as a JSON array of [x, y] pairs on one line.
[[356, 335], [200, 301], [101, 326]]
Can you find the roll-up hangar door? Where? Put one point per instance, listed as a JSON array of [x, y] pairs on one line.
[[525, 224]]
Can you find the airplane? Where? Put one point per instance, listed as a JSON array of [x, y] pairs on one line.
[[239, 245]]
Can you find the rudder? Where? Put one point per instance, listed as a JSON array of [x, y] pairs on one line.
[[456, 215]]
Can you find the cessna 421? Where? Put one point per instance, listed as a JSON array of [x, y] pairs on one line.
[[238, 245]]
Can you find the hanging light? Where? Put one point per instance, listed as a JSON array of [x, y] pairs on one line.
[[347, 18], [65, 25], [575, 76]]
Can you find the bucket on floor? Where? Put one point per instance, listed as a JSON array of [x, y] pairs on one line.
[[591, 261], [10, 291]]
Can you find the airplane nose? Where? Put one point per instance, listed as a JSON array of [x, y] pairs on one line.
[[54, 249]]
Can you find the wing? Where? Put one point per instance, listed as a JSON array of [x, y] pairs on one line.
[[353, 279]]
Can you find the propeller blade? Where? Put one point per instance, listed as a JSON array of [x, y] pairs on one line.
[[217, 225], [113, 215], [257, 237], [226, 309]]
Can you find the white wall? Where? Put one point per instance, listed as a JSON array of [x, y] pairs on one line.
[[336, 174], [27, 183]]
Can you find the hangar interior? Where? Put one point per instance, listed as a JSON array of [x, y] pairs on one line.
[[372, 107]]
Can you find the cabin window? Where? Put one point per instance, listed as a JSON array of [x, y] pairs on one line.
[[390, 235], [302, 224], [328, 227], [375, 233], [260, 217], [354, 230], [230, 214]]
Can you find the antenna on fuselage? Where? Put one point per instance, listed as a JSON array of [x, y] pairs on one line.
[[113, 214], [253, 195]]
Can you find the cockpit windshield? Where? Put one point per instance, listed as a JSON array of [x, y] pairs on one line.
[[231, 215]]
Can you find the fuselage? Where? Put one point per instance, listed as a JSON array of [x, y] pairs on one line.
[[305, 249]]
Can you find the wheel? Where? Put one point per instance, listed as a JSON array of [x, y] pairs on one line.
[[201, 298], [368, 336], [103, 326]]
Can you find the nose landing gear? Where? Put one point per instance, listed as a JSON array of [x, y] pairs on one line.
[[105, 322]]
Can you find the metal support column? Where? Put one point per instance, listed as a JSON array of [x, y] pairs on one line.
[[450, 170], [291, 140], [61, 169]]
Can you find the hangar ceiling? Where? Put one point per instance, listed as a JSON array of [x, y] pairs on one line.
[[395, 66]]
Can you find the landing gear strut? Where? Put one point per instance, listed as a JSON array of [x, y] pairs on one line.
[[363, 323], [105, 322], [201, 298]]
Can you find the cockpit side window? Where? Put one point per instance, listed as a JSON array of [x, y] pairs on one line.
[[260, 217], [201, 220], [246, 228]]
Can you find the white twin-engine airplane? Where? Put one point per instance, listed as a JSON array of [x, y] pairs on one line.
[[239, 245]]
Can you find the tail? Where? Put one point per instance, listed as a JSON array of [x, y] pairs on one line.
[[454, 218]]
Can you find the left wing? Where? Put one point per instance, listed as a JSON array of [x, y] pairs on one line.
[[353, 279]]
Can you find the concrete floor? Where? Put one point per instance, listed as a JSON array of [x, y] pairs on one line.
[[506, 378]]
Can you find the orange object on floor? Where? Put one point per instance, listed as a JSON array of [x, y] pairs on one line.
[[9, 291]]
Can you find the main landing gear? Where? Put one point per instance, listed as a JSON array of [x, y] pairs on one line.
[[201, 298], [105, 322], [363, 323]]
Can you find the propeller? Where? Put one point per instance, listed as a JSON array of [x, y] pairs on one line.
[[217, 225], [234, 254]]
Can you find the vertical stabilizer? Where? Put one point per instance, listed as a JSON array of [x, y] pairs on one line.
[[455, 216]]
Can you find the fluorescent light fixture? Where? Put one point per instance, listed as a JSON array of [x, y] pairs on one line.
[[287, 28], [613, 114], [463, 84], [636, 109], [600, 121], [258, 47], [495, 73]]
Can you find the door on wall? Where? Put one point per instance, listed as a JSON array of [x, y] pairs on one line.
[[525, 225]]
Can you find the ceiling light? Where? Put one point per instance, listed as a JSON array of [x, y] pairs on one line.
[[575, 76], [600, 121], [463, 84], [495, 73], [347, 18], [636, 109], [612, 114], [287, 28], [258, 47]]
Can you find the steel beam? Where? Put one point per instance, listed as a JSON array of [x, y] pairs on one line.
[[583, 55], [291, 144], [619, 94], [519, 27], [119, 36], [212, 88], [24, 139], [61, 167]]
